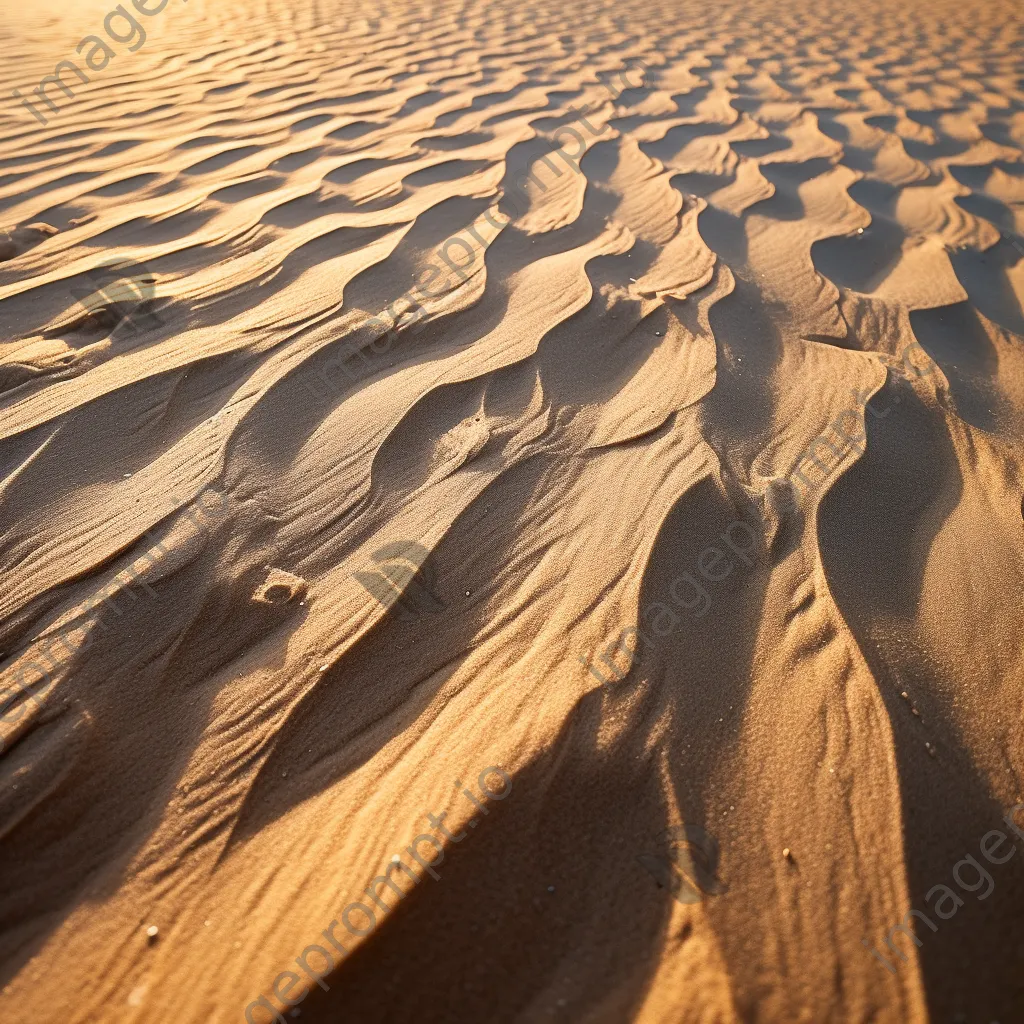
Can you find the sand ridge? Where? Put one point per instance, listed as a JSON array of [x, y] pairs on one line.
[[479, 326]]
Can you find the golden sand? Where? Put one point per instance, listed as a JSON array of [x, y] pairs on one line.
[[512, 513]]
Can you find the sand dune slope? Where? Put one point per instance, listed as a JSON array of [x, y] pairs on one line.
[[513, 513]]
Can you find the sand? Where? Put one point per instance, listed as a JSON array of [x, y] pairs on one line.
[[512, 513]]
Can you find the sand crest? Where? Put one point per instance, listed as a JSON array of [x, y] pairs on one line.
[[511, 513]]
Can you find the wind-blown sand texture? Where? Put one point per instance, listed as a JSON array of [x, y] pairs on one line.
[[219, 723]]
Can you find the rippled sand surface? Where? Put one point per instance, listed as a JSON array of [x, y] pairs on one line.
[[599, 424]]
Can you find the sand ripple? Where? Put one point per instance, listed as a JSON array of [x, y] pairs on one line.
[[367, 374]]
